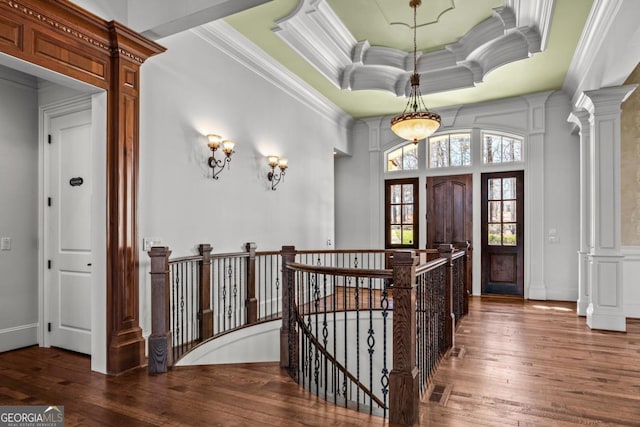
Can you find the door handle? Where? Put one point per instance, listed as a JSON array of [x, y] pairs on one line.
[[89, 265]]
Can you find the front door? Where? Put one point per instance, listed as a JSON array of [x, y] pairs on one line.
[[449, 210], [503, 233], [68, 210], [450, 215]]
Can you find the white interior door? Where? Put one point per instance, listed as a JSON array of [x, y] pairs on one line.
[[68, 208]]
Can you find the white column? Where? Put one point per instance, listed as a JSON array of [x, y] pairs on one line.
[[605, 309], [581, 120], [534, 199], [376, 187]]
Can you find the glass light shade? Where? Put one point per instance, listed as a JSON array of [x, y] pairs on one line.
[[214, 140], [282, 163], [227, 146], [273, 161], [415, 126]]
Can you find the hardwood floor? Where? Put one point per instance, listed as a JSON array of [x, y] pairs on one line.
[[522, 364], [536, 363]]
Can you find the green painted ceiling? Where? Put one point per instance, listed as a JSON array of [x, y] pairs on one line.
[[543, 71]]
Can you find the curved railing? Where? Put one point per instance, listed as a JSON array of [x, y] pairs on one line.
[[334, 315], [361, 328]]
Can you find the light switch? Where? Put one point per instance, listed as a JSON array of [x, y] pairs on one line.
[[5, 243]]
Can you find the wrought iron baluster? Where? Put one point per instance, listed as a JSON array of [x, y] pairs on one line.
[[384, 380]]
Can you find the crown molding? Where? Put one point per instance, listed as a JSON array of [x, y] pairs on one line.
[[315, 32], [225, 38], [608, 49]]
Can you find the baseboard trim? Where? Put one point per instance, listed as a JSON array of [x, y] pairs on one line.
[[18, 337]]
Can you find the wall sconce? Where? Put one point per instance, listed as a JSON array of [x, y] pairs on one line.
[[227, 148], [274, 177]]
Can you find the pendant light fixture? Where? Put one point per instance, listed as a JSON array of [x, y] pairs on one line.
[[416, 121]]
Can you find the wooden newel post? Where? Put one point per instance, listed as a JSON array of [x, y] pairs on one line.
[[468, 280], [160, 351], [205, 314], [446, 251], [404, 389], [252, 302], [288, 335]]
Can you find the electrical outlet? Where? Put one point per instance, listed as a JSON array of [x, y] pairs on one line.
[[149, 242], [5, 243]]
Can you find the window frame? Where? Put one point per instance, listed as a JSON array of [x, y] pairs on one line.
[[448, 135], [502, 135], [402, 147], [388, 183]]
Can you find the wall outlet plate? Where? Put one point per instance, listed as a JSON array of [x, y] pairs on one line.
[[149, 242], [5, 243]]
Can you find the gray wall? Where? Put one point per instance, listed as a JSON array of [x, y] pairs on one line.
[[18, 209]]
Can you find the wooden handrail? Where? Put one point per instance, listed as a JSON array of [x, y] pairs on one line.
[[334, 271]]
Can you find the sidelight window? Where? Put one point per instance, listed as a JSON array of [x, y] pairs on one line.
[[502, 212], [401, 216]]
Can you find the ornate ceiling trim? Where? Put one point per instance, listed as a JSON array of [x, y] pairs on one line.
[[228, 40], [316, 33]]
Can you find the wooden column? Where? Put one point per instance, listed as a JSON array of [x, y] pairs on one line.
[[205, 315], [252, 302], [288, 337], [63, 37], [160, 352], [404, 390], [446, 251], [124, 335]]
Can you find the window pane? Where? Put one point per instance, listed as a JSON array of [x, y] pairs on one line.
[[460, 150], [494, 212], [492, 149], [495, 189], [394, 160], [507, 150], [517, 150], [396, 234], [494, 234], [407, 214], [396, 193], [509, 211], [410, 157], [407, 234], [508, 188], [439, 151], [509, 234], [395, 214], [407, 193]]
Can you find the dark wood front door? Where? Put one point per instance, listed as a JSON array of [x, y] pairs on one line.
[[503, 233], [449, 210]]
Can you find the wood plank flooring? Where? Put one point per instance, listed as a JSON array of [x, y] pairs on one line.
[[536, 363], [522, 364]]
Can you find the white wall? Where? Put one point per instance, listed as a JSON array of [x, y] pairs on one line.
[[18, 209], [551, 159], [561, 202], [192, 90]]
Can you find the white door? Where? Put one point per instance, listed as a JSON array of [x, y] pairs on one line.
[[68, 210]]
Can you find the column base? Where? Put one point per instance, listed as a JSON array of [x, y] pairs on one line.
[[606, 321]]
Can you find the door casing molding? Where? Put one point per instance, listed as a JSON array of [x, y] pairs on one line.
[[62, 37]]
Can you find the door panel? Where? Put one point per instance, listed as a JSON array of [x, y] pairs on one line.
[[69, 232], [503, 233], [449, 210], [450, 215]]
